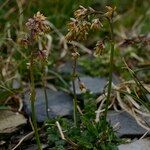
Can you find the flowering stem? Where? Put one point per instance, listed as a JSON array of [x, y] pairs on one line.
[[32, 98], [110, 68], [44, 86], [74, 94]]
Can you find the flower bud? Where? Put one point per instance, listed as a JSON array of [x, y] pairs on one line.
[[99, 48], [75, 55], [82, 87]]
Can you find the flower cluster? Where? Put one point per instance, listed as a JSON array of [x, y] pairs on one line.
[[86, 20], [79, 26], [38, 25], [78, 30]]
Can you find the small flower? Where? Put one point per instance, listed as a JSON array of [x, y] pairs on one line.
[[39, 17], [110, 12], [80, 13], [38, 25], [70, 36], [72, 25], [96, 24], [99, 48], [75, 55], [82, 87], [84, 28]]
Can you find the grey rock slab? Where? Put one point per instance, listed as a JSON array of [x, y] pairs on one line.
[[60, 104], [143, 144], [93, 84], [128, 126]]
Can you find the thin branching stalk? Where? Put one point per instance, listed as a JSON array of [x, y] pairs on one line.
[[110, 67], [74, 92], [32, 99], [75, 56], [44, 87]]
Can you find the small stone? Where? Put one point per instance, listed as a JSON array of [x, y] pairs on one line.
[[95, 85], [60, 104], [143, 144], [128, 126], [16, 84]]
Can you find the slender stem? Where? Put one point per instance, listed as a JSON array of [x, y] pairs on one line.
[[74, 94], [1, 75], [110, 68], [32, 98], [45, 92]]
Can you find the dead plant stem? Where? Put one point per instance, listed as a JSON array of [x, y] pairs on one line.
[[74, 93]]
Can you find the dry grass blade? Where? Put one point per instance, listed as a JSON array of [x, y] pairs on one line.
[[123, 97], [26, 137]]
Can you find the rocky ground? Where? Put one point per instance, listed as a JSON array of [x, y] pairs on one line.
[[60, 104]]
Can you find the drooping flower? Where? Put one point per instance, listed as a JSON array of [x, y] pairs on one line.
[[99, 48], [75, 55], [80, 13], [96, 24], [110, 12], [82, 87]]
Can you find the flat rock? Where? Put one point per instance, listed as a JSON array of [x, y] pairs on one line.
[[9, 121], [95, 85], [128, 126], [60, 104], [143, 144]]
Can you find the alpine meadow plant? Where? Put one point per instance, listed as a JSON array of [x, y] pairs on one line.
[[86, 19], [37, 26]]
